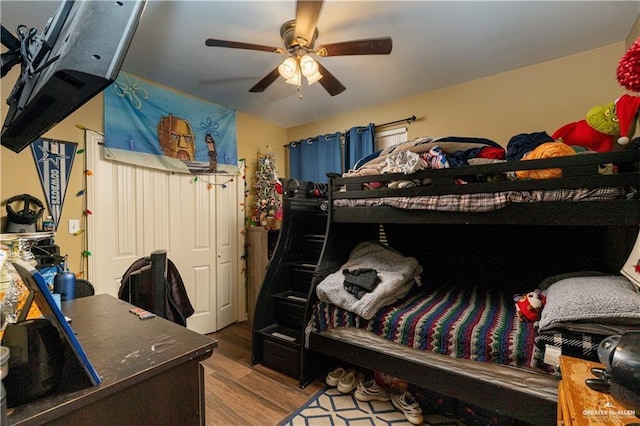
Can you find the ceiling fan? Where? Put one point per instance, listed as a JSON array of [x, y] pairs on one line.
[[299, 37]]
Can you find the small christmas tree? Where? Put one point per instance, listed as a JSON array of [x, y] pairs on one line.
[[268, 205]]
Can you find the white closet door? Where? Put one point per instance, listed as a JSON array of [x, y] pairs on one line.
[[227, 267], [137, 210], [196, 228]]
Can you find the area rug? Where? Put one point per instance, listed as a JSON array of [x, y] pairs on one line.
[[330, 407]]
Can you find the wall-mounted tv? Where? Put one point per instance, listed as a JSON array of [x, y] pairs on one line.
[[77, 55]]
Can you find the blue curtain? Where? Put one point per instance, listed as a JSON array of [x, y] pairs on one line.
[[311, 159], [359, 143]]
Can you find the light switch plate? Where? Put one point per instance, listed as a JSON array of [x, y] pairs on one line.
[[74, 226]]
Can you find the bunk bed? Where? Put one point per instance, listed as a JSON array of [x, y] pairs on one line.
[[582, 218]]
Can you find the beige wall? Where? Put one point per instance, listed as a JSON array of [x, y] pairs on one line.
[[634, 33], [18, 172], [255, 136], [537, 98]]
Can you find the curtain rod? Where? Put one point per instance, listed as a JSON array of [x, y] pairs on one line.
[[408, 120]]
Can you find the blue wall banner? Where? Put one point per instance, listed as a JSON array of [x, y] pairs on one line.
[[54, 160], [153, 127]]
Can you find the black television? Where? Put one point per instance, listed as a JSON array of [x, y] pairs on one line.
[[78, 54]]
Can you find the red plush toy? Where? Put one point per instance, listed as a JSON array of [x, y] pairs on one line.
[[529, 306], [604, 125], [581, 134]]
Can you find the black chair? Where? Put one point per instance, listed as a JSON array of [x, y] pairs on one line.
[[153, 283], [84, 288]]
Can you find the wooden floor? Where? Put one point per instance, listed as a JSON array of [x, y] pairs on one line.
[[237, 393]]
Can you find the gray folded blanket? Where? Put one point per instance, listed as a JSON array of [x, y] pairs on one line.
[[397, 274]]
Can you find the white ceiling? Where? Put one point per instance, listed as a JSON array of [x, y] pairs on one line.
[[435, 44]]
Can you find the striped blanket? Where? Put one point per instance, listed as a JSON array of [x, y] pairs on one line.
[[462, 322]]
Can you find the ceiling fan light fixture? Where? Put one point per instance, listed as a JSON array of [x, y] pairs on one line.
[[309, 68], [296, 78], [313, 77], [308, 65], [289, 68]]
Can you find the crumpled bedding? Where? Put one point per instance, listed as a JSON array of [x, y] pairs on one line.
[[444, 152], [397, 274], [449, 145]]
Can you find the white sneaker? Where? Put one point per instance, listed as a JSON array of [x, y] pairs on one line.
[[370, 391], [333, 377], [349, 381], [406, 403]]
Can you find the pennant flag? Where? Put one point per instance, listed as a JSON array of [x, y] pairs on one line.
[[54, 160]]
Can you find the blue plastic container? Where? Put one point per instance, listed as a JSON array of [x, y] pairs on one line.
[[64, 284]]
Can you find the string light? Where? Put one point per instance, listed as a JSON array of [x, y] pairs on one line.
[[86, 174], [211, 185], [83, 127]]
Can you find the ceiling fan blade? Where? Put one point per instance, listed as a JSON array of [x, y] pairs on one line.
[[238, 45], [329, 82], [307, 13], [371, 46], [266, 81]]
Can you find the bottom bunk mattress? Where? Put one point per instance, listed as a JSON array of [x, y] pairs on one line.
[[475, 323]]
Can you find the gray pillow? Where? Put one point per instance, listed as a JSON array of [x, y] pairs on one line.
[[601, 299], [546, 283]]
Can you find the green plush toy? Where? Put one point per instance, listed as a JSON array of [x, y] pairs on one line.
[[604, 119]]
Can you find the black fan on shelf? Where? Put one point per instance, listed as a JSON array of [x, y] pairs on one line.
[[299, 37]]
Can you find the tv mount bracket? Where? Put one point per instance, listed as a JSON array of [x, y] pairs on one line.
[[31, 48]]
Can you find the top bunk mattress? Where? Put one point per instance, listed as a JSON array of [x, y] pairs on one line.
[[484, 201]]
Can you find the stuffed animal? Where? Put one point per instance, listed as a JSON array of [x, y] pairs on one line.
[[603, 125], [529, 306], [579, 133]]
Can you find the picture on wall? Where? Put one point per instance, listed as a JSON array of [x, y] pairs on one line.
[[151, 126]]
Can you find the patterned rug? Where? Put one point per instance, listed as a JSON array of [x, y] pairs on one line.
[[330, 407]]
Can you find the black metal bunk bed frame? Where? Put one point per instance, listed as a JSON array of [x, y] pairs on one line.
[[525, 395]]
